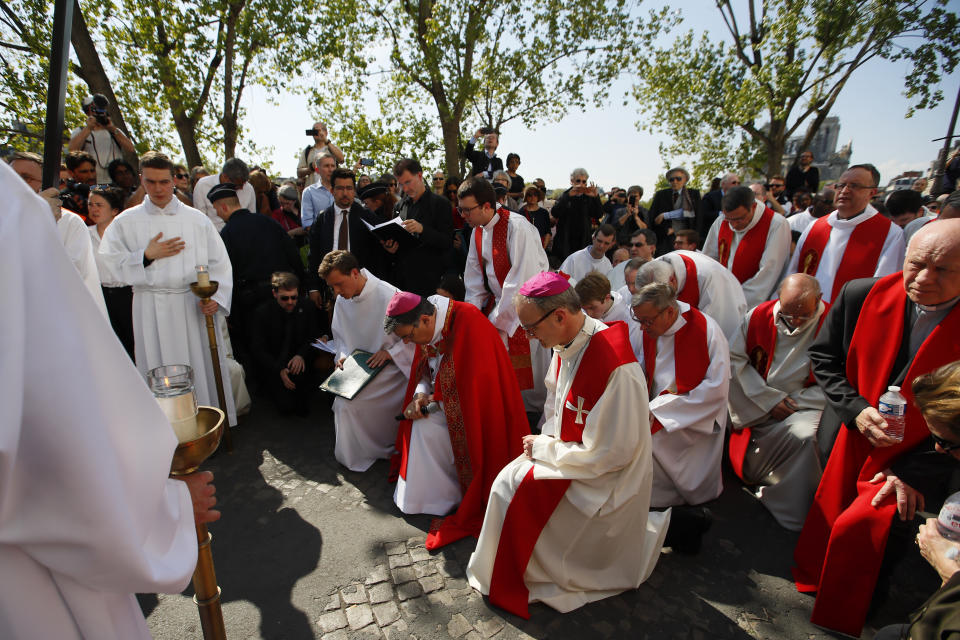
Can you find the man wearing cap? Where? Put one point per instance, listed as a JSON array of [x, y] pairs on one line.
[[568, 522], [504, 253], [463, 417], [257, 247]]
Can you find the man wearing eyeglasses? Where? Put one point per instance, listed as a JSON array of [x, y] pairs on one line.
[[674, 208], [879, 332], [642, 246], [686, 361], [775, 403], [854, 241]]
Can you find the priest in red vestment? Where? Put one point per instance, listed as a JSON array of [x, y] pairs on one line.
[[463, 417], [878, 333]]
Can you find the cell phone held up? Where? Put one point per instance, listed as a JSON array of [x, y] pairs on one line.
[[486, 130], [366, 162], [632, 200], [311, 132]]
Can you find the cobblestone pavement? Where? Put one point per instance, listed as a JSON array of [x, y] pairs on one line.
[[308, 549]]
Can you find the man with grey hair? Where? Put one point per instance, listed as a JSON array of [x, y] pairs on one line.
[[686, 361], [235, 172], [752, 242], [575, 211], [674, 208], [568, 522], [775, 404], [712, 203], [502, 179], [702, 283]]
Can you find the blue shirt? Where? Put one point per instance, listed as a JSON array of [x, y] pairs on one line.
[[316, 199]]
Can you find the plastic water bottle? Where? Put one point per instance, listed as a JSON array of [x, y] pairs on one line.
[[893, 408], [948, 522]]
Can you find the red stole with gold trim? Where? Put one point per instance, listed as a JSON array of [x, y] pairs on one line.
[[750, 249], [860, 256], [691, 286], [691, 357], [842, 544], [535, 500], [518, 345]]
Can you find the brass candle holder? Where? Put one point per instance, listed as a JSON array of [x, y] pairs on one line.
[[204, 289], [187, 459]]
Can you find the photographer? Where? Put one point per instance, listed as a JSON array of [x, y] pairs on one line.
[[100, 137], [309, 167]]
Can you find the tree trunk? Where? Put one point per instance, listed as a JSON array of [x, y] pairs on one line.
[[188, 137], [229, 120], [451, 147], [776, 144], [92, 73]]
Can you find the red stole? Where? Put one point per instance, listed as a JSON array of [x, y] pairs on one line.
[[841, 546], [535, 500], [760, 345], [484, 412], [860, 256], [750, 250], [691, 357], [518, 345], [691, 287]]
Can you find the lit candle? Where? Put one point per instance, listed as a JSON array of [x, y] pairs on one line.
[[203, 276], [173, 388]]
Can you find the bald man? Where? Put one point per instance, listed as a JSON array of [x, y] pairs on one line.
[[879, 332], [775, 404]]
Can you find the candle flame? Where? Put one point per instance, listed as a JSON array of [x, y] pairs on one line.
[[166, 381]]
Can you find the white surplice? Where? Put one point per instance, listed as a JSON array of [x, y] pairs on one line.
[[687, 451], [527, 259], [601, 539], [616, 277], [366, 427], [776, 252], [580, 263], [76, 242], [431, 485], [721, 296], [891, 256], [800, 221], [88, 516], [619, 309], [783, 455], [168, 325]]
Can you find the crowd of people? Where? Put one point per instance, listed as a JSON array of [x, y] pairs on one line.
[[562, 379]]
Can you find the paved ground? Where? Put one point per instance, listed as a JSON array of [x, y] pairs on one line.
[[307, 549]]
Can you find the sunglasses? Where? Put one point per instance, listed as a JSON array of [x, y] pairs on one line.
[[638, 244], [946, 445], [675, 179], [288, 298], [182, 176]]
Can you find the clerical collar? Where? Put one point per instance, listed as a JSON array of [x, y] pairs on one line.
[[943, 306], [590, 326]]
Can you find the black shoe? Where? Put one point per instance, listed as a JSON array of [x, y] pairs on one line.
[[687, 526]]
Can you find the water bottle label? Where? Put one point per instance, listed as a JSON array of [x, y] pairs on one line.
[[893, 409], [950, 517]]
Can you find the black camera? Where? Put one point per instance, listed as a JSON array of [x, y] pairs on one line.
[[74, 196], [96, 106]]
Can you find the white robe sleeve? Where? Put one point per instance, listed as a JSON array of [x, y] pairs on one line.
[[549, 407], [527, 258], [473, 276], [711, 244], [775, 254], [891, 257], [79, 247], [750, 397], [124, 257]]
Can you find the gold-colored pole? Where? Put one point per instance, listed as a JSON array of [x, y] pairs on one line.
[[205, 292], [206, 591]]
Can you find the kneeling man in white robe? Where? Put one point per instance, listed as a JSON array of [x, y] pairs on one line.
[[775, 404], [366, 427], [687, 365], [568, 522]]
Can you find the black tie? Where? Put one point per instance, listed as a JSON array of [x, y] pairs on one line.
[[342, 240]]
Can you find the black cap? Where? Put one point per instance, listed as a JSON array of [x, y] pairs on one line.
[[373, 189], [222, 190], [500, 190]]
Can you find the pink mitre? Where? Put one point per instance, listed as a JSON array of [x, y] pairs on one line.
[[544, 285], [402, 302]]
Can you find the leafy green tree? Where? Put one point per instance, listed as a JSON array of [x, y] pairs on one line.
[[734, 102]]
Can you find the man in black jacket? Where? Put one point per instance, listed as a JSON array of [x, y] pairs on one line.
[[484, 162], [674, 208], [282, 332], [418, 266], [576, 211]]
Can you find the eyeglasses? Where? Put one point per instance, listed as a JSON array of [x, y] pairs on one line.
[[675, 179], [638, 244], [840, 186], [793, 320], [579, 181], [465, 211], [182, 176], [530, 328], [646, 322], [438, 179], [946, 445], [774, 186], [288, 298]]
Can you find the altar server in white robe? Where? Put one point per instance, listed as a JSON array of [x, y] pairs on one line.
[[686, 361], [701, 282], [505, 252], [599, 302], [156, 247], [775, 404], [88, 515], [592, 257], [568, 522], [366, 427], [752, 242]]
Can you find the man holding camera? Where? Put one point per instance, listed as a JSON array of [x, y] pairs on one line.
[[100, 137], [309, 167], [484, 162]]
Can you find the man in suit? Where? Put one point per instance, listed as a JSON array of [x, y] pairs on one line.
[[418, 266], [341, 226], [674, 208], [484, 162], [879, 332], [710, 206]]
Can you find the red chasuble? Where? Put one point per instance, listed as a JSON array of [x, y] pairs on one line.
[[750, 250], [691, 286], [535, 500], [518, 345], [484, 411], [860, 256], [691, 357], [760, 344], [841, 546]]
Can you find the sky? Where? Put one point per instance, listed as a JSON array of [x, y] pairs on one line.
[[607, 142]]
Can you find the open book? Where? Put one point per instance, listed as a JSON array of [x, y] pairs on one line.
[[392, 230], [354, 376]]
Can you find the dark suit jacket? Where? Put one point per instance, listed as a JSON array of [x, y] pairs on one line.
[[710, 208], [363, 244], [277, 336], [478, 158], [663, 202], [419, 267]]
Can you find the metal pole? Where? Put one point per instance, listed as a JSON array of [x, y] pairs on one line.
[[206, 591], [942, 160], [56, 92], [218, 376]]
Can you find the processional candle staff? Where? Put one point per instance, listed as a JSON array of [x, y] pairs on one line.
[[198, 431], [204, 288]]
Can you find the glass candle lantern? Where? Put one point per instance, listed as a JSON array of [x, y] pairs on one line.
[[172, 385], [203, 275]]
